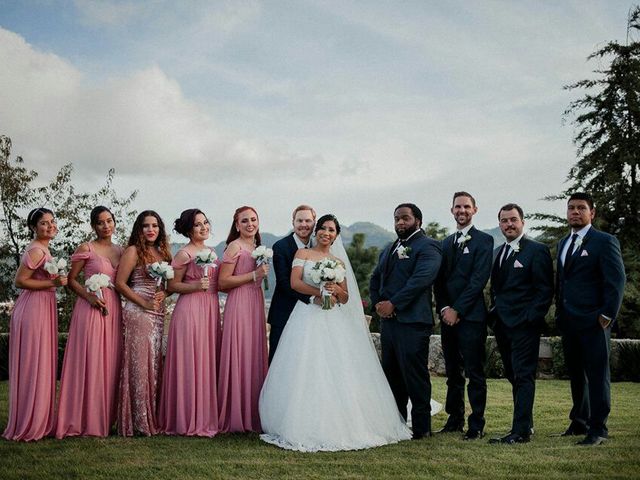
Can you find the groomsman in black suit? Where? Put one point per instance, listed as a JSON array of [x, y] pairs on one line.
[[465, 270], [400, 289], [284, 297], [589, 288], [521, 294]]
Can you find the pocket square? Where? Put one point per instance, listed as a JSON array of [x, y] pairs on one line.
[[466, 250], [584, 253], [517, 264]]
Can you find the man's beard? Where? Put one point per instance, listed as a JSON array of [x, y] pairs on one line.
[[406, 233]]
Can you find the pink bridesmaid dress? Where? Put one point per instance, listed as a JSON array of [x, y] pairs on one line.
[[33, 358], [91, 368], [141, 360], [243, 354], [189, 398]]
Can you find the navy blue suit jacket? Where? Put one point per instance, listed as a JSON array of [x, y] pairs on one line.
[[407, 282], [593, 284], [284, 297], [522, 288], [463, 274]]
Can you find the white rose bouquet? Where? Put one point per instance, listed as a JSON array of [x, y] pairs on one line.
[[56, 266], [327, 270], [161, 271], [95, 283], [263, 255], [206, 258]]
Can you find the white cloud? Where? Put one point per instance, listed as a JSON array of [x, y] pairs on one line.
[[138, 123]]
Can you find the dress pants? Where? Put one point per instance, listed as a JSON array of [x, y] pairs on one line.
[[405, 357], [586, 356], [519, 347], [463, 346]]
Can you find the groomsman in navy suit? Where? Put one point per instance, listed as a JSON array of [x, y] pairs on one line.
[[465, 270], [284, 297], [400, 289], [521, 294], [589, 288]]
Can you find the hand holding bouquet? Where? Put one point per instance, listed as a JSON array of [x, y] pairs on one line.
[[206, 258], [161, 271], [56, 267], [263, 256], [95, 283], [327, 270]]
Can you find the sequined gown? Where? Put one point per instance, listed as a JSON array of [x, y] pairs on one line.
[[189, 399], [243, 354], [33, 358], [91, 368], [141, 360]]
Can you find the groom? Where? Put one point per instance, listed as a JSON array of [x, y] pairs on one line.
[[284, 297], [400, 289]]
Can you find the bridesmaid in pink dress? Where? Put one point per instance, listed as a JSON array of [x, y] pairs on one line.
[[189, 399], [33, 341], [91, 367], [143, 322], [243, 355]]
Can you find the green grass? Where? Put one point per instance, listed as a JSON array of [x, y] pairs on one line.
[[443, 456]]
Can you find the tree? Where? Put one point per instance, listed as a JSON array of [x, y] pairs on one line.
[[18, 195], [607, 122], [435, 230]]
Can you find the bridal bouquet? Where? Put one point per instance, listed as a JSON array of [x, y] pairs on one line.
[[206, 258], [161, 271], [263, 255], [327, 270], [56, 266], [95, 283]]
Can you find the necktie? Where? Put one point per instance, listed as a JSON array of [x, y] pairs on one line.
[[569, 254], [505, 253]]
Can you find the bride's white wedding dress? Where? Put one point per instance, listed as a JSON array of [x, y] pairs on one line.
[[325, 389]]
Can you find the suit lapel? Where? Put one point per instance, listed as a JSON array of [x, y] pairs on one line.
[[578, 251]]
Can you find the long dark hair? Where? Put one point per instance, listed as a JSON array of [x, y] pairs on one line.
[[234, 233], [34, 217], [137, 239]]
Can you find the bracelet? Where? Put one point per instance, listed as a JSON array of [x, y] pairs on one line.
[[254, 276]]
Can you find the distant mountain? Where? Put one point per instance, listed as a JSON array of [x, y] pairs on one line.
[[375, 236]]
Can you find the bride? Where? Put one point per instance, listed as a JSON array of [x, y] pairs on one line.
[[325, 389]]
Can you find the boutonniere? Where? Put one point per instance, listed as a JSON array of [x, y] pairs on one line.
[[578, 243], [516, 248], [462, 241], [403, 252]]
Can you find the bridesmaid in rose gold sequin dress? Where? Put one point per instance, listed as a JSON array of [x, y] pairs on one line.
[[243, 354], [91, 368], [33, 341], [143, 321]]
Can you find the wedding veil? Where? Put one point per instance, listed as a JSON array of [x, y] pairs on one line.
[[353, 308]]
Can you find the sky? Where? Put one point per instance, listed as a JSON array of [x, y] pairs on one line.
[[350, 106]]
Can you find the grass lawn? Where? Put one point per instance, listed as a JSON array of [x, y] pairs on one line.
[[443, 456]]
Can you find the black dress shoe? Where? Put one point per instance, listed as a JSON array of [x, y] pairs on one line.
[[418, 436], [510, 439], [450, 428], [473, 434], [575, 429], [591, 440]]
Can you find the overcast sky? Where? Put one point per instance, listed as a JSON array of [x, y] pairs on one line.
[[352, 107]]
